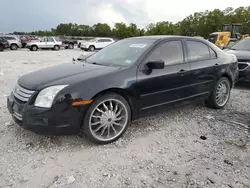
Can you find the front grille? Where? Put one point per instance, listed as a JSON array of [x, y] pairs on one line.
[[243, 65], [244, 60], [213, 38], [22, 94]]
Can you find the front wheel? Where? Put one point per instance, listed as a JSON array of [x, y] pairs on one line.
[[220, 94], [34, 48], [56, 47], [71, 46], [107, 119], [13, 47], [91, 48]]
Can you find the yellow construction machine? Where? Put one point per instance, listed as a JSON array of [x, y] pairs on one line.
[[229, 33]]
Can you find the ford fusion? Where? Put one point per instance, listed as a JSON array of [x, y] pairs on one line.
[[242, 51], [101, 94]]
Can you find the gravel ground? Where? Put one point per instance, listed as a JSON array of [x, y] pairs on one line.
[[188, 146]]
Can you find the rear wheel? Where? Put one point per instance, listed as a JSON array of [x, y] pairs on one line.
[[220, 94], [56, 47], [13, 47], [107, 119]]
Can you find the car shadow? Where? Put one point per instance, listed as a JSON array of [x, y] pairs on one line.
[[140, 127], [243, 85]]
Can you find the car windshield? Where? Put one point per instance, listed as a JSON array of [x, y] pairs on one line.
[[92, 40], [243, 44], [57, 39], [122, 53], [9, 38]]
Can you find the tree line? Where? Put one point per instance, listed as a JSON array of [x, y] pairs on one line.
[[202, 23]]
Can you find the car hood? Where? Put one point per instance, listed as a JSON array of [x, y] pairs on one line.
[[33, 42], [13, 41], [240, 54], [69, 73], [85, 43]]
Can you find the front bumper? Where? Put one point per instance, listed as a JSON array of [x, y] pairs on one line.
[[244, 71], [83, 48], [60, 119]]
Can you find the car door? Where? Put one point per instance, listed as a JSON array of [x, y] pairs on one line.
[[43, 43], [100, 43], [164, 86], [107, 42], [50, 43], [204, 66]]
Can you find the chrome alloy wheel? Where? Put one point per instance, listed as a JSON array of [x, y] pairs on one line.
[[108, 120], [222, 93]]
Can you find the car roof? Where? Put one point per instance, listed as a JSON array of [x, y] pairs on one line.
[[14, 36], [157, 37], [103, 38]]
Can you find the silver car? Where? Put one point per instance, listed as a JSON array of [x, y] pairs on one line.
[[14, 41], [53, 43]]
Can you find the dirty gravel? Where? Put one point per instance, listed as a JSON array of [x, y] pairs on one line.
[[187, 146]]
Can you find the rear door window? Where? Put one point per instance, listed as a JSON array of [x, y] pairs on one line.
[[198, 51], [107, 40], [101, 40]]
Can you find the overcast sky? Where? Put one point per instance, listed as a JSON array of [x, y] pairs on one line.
[[30, 15]]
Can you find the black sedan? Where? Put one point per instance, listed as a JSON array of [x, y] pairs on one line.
[[102, 93], [242, 52]]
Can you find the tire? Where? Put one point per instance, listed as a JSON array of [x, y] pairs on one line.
[[34, 48], [1, 48], [223, 86], [13, 47], [107, 120], [56, 47], [70, 46], [91, 48]]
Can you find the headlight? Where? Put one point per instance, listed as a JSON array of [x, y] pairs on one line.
[[46, 97]]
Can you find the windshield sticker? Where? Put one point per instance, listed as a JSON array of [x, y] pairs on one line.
[[128, 61], [137, 45]]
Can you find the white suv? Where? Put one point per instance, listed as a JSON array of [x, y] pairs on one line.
[[53, 43], [96, 44]]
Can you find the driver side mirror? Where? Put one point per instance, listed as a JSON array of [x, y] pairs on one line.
[[157, 64]]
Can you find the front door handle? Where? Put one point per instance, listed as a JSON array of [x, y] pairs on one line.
[[216, 65], [182, 72]]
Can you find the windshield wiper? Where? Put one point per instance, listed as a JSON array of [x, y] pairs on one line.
[[95, 63], [240, 49]]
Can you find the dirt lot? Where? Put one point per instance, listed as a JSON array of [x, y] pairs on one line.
[[188, 146]]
